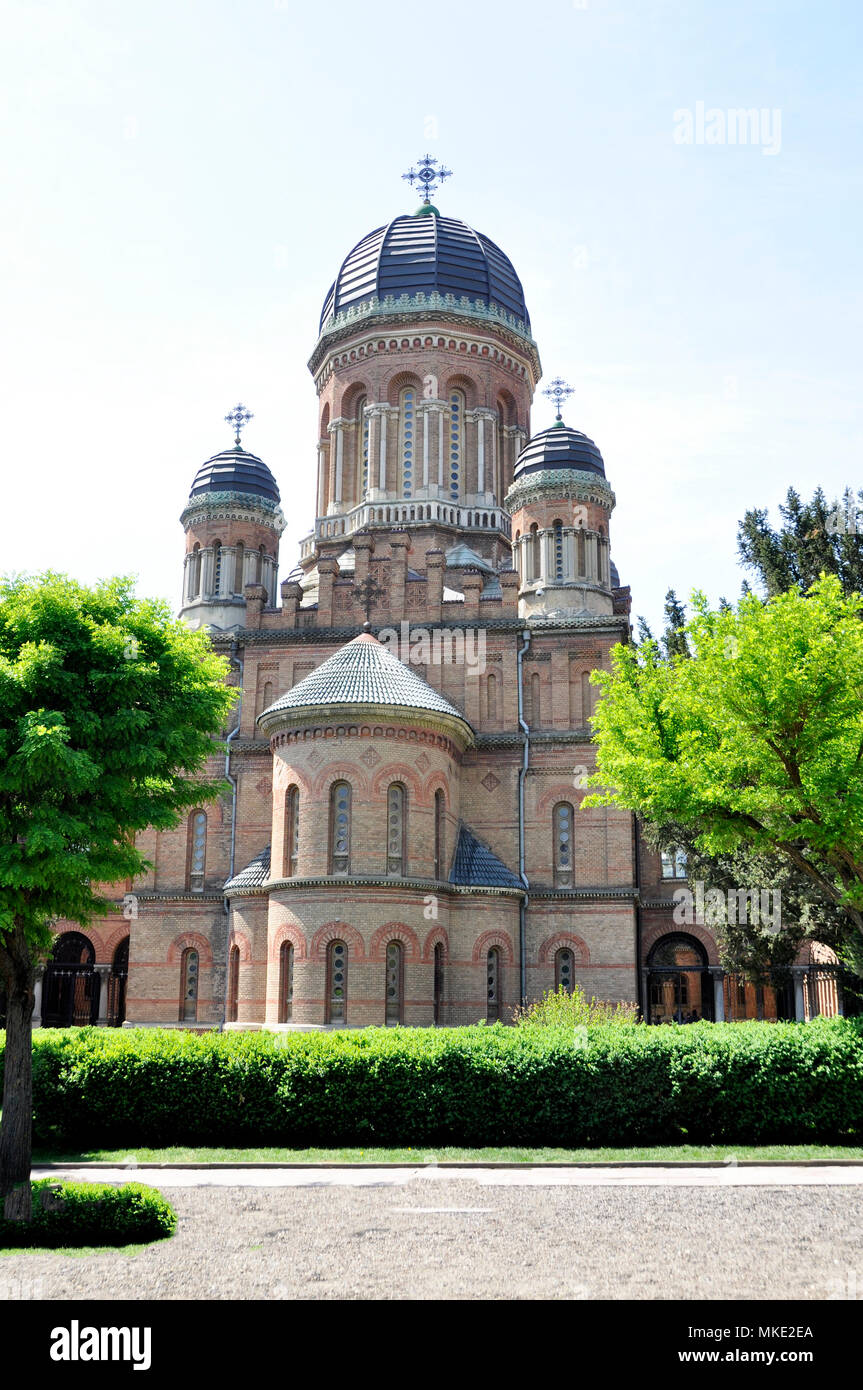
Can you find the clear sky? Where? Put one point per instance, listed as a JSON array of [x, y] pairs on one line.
[[182, 179]]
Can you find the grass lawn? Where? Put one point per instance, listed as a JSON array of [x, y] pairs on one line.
[[677, 1153], [76, 1250]]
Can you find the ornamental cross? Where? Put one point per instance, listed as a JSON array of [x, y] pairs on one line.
[[558, 390], [428, 177], [366, 593], [238, 418]]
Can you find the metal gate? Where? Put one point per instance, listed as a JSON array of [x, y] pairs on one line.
[[115, 1012], [70, 991]]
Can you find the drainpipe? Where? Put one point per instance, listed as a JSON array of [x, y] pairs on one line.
[[522, 910], [236, 660], [639, 974]]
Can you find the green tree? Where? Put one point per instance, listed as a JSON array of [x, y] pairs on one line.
[[815, 538], [108, 708], [753, 743]]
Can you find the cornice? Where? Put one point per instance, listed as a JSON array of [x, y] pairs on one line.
[[562, 482], [297, 725], [424, 886], [233, 506]]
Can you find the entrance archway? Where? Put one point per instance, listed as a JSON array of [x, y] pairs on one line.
[[70, 993], [679, 984]]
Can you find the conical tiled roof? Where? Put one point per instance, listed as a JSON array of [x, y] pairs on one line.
[[363, 672], [254, 875], [474, 865]]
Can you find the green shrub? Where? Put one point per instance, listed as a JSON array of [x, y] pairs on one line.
[[614, 1085], [91, 1213], [562, 1008]]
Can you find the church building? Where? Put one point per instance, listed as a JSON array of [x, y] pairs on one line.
[[403, 840]]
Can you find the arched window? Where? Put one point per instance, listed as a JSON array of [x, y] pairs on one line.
[[337, 982], [491, 697], [673, 862], [534, 565], [563, 826], [492, 1010], [197, 852], [189, 987], [116, 1010], [408, 439], [286, 982], [396, 803], [680, 987], [438, 981], [580, 551], [558, 549], [535, 688], [564, 965], [395, 984], [340, 828], [439, 835], [217, 565], [239, 557], [456, 442], [268, 695], [233, 984], [292, 832], [362, 436]]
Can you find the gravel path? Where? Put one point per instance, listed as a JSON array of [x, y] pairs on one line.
[[455, 1238]]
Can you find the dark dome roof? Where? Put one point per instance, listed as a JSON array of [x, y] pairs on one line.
[[235, 470], [560, 447], [426, 252]]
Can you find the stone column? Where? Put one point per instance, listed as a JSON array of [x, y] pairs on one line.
[[104, 975], [718, 976], [363, 547], [382, 451], [37, 991], [323, 469], [797, 974]]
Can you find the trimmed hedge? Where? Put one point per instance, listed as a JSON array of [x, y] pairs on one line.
[[743, 1082], [90, 1213]]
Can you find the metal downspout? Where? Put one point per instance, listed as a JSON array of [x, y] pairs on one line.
[[522, 909], [237, 661], [639, 974]]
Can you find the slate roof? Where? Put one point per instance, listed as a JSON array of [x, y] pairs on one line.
[[475, 865], [460, 556], [559, 447], [364, 672], [254, 875], [235, 470]]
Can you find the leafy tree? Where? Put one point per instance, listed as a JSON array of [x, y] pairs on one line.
[[755, 742], [816, 537], [107, 710], [673, 641]]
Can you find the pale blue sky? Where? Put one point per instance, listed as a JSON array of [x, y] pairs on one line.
[[181, 181]]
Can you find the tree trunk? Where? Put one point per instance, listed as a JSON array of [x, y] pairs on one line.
[[16, 1126]]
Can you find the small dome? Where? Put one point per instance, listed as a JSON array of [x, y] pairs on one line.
[[426, 253], [235, 470], [560, 447]]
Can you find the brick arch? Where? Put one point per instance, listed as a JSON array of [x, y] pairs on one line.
[[287, 932], [341, 772], [325, 420], [350, 396], [654, 934], [397, 383], [394, 931], [92, 936], [190, 940], [397, 772], [493, 938], [119, 934], [437, 936], [437, 782], [337, 931], [292, 776], [509, 413], [239, 938], [467, 385], [552, 944], [550, 798]]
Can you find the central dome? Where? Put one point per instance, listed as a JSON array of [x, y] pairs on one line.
[[426, 253]]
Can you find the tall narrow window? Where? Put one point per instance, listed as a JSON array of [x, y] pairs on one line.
[[558, 549], [564, 964], [395, 983], [239, 559], [438, 981], [396, 797], [586, 710], [535, 700], [292, 832], [580, 552], [456, 442], [439, 835], [189, 987], [563, 825], [286, 982], [492, 1010], [197, 852], [233, 984], [534, 564], [195, 572], [268, 695], [362, 435], [674, 862], [337, 982], [408, 420], [340, 828], [491, 697], [217, 566]]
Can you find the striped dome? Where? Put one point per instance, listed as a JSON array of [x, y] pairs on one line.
[[559, 447], [426, 253], [235, 470]]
